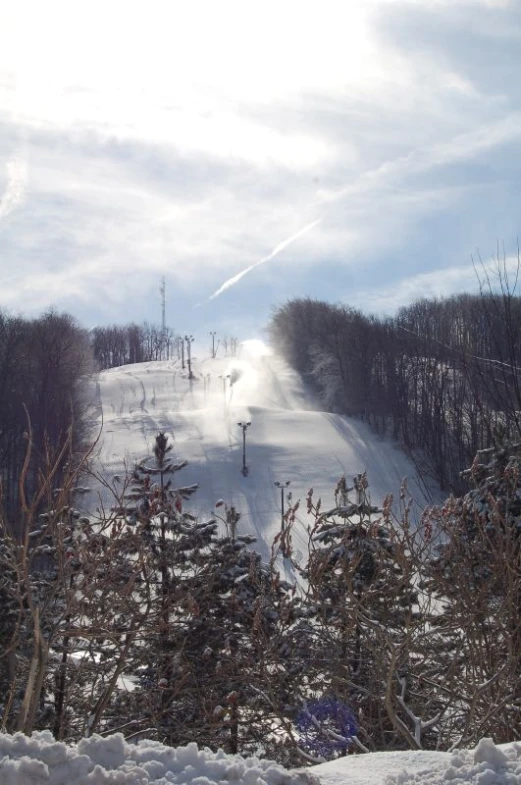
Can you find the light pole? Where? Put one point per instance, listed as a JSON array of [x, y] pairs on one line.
[[189, 341], [244, 426], [213, 334]]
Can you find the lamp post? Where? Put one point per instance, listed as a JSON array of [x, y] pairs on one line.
[[189, 341], [213, 334], [244, 426]]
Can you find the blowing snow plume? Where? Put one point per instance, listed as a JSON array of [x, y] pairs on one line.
[[280, 247]]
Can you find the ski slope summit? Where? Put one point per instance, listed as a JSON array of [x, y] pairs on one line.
[[289, 438]]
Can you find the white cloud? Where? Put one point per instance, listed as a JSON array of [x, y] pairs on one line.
[[459, 149], [176, 65], [440, 283], [444, 282], [16, 180], [187, 139]]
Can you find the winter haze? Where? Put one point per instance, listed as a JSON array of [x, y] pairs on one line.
[[356, 151]]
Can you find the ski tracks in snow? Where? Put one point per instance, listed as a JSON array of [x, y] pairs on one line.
[[289, 438]]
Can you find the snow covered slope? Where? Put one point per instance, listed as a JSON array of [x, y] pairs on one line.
[[288, 439]]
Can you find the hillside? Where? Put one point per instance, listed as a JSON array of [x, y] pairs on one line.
[[289, 438]]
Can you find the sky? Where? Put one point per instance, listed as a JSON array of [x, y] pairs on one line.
[[360, 152]]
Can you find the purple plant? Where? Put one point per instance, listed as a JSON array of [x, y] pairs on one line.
[[326, 727]]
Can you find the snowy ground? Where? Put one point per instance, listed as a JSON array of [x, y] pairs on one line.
[[40, 760], [288, 439]]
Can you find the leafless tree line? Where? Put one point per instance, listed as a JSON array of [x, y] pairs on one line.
[[442, 377], [116, 345], [44, 365]]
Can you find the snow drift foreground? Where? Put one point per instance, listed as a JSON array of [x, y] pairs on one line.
[[40, 760]]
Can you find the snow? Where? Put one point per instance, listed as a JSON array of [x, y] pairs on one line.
[[487, 752], [289, 438], [40, 760]]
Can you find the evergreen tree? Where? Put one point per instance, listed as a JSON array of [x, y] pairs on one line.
[[176, 543], [212, 664], [361, 584], [232, 663]]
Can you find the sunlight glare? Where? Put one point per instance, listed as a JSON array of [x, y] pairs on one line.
[[192, 73], [255, 348]]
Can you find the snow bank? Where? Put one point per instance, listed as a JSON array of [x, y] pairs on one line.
[[486, 765], [40, 760]]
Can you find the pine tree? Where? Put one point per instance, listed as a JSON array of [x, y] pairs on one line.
[[362, 589], [213, 663], [175, 542]]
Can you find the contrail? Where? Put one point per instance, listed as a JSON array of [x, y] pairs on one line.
[[15, 188], [280, 247]]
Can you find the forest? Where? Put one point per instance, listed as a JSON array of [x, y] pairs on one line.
[[44, 365], [441, 377]]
